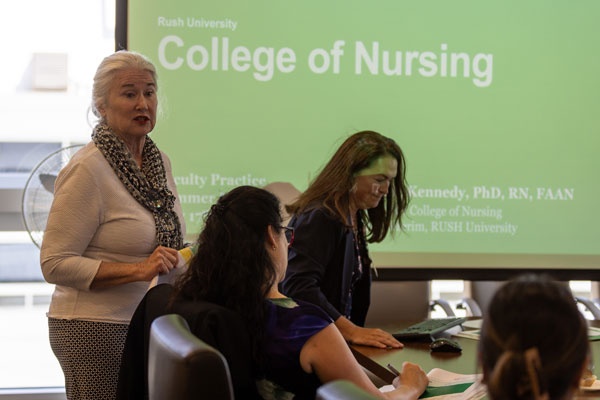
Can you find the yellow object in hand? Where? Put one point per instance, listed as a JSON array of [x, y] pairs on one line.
[[188, 252]]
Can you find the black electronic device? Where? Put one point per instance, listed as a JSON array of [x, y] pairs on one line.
[[445, 345], [428, 329]]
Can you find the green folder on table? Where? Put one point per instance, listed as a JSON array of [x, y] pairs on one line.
[[433, 391]]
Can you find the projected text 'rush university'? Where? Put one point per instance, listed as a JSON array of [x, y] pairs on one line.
[[368, 58]]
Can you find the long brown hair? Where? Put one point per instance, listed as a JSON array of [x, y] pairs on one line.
[[330, 190]]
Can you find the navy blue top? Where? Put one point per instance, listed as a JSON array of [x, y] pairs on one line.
[[290, 323]]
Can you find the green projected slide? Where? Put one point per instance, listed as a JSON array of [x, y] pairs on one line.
[[494, 103]]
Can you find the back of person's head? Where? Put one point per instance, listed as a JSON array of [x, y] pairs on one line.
[[331, 188], [534, 342], [112, 65], [232, 266]]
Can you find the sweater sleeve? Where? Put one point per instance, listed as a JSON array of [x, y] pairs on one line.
[[74, 217]]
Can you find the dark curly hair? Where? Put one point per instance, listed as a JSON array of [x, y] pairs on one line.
[[232, 267]]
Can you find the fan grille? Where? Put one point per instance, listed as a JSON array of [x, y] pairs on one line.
[[39, 191]]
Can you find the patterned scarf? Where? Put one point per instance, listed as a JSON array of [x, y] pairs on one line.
[[147, 185]]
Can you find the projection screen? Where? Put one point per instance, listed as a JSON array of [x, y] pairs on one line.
[[494, 104]]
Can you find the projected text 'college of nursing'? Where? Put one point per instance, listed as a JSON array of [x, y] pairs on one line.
[[369, 58]]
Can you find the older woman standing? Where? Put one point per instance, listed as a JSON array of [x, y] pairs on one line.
[[360, 195], [114, 226]]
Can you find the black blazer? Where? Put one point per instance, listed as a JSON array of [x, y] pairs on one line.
[[320, 265], [218, 326]]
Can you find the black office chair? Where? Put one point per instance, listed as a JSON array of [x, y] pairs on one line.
[[342, 390], [181, 366], [215, 325]]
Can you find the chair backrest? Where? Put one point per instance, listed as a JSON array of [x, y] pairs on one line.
[[342, 390], [181, 366], [588, 305]]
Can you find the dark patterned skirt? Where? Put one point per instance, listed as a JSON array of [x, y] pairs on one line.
[[89, 354]]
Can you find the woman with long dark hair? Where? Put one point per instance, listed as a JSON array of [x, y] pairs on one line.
[[241, 258], [357, 198]]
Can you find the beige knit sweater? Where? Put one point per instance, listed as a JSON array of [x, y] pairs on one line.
[[94, 218]]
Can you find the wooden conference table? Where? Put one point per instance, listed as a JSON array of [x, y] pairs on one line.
[[376, 360]]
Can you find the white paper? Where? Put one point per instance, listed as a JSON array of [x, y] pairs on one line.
[[440, 377]]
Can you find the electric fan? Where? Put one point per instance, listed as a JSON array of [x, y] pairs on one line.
[[39, 191]]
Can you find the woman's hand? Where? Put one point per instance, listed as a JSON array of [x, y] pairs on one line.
[[411, 382], [373, 337], [161, 261]]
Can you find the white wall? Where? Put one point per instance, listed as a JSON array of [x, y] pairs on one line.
[[81, 29]]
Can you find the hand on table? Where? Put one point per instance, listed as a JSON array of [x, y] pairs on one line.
[[373, 337]]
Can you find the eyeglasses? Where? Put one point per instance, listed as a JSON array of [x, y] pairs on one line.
[[289, 234]]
